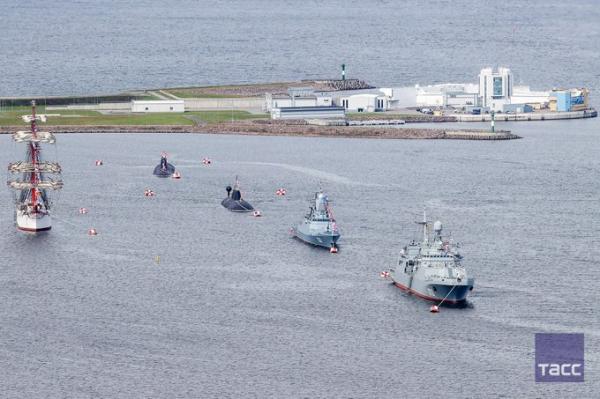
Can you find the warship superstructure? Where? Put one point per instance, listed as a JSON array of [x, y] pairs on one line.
[[37, 177], [319, 226], [432, 269]]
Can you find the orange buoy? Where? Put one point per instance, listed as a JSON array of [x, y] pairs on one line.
[[434, 309], [92, 232], [333, 250]]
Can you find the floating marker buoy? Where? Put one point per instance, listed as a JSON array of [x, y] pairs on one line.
[[176, 175], [206, 161], [83, 211], [384, 274], [92, 232], [149, 193], [256, 214], [280, 192], [333, 250], [99, 162], [434, 309]]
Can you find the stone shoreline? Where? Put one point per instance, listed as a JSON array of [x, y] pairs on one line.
[[282, 129]]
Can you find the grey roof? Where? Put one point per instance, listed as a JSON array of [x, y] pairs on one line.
[[305, 109]]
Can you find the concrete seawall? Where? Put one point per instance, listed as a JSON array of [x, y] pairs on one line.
[[528, 116]]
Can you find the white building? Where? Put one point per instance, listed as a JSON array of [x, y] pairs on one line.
[[157, 106], [524, 95], [306, 100], [495, 88], [326, 112], [364, 102], [447, 95]]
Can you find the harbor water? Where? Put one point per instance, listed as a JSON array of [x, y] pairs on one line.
[[177, 297], [91, 47]]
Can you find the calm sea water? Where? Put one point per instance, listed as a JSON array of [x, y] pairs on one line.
[[86, 46], [237, 308]]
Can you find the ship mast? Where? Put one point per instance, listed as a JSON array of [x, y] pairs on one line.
[[424, 224], [33, 151], [32, 186]]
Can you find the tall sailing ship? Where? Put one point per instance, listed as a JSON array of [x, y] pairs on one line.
[[37, 177]]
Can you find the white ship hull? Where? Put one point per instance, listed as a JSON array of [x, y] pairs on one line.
[[33, 222]]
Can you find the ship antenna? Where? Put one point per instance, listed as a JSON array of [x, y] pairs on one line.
[[424, 223], [425, 238]]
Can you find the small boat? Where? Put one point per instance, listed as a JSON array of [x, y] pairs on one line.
[[164, 168], [234, 201]]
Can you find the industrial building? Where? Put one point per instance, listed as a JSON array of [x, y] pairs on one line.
[[297, 97], [148, 106], [524, 95], [326, 112], [569, 100], [364, 102], [495, 88], [448, 95], [516, 108], [495, 92]]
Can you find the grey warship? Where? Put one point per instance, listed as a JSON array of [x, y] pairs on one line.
[[432, 269], [234, 201], [319, 227]]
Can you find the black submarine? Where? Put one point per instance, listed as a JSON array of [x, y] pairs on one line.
[[234, 201], [164, 168]]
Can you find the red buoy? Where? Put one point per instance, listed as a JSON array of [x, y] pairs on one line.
[[99, 162], [92, 232], [83, 211], [176, 175], [333, 250], [206, 161], [434, 309], [256, 214]]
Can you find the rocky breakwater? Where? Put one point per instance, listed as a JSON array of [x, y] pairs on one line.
[[289, 128]]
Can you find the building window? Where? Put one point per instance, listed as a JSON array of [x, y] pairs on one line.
[[146, 108], [171, 108], [497, 82]]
